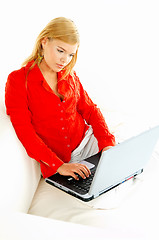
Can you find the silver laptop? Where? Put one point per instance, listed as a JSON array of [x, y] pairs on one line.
[[111, 168]]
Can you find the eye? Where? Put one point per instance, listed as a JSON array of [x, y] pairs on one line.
[[60, 51], [71, 55]]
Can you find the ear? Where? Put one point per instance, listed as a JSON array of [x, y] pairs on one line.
[[44, 42]]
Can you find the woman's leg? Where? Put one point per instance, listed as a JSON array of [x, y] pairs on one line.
[[88, 147]]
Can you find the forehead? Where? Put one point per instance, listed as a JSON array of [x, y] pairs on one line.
[[65, 46]]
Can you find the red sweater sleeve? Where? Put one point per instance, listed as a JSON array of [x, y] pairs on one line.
[[93, 116], [17, 108]]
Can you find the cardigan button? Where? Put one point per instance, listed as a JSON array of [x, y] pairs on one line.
[[53, 164], [68, 145]]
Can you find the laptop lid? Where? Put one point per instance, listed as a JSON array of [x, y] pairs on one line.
[[123, 161]]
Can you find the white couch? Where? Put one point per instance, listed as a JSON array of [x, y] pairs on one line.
[[32, 209]]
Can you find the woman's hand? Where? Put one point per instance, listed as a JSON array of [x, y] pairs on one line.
[[106, 148], [69, 169]]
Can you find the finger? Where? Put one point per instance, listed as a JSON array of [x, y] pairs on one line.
[[86, 170], [80, 173], [74, 176]]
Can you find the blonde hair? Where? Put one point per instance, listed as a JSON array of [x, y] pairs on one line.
[[59, 28]]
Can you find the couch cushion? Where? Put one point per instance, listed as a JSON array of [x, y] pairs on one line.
[[56, 204], [130, 208], [19, 174]]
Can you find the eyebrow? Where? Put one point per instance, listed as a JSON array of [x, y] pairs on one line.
[[64, 49]]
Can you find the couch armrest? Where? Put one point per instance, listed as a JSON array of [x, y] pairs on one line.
[[19, 175]]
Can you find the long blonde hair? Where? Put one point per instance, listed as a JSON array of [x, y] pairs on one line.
[[59, 28]]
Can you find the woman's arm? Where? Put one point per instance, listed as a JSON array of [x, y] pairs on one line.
[[17, 107], [93, 116]]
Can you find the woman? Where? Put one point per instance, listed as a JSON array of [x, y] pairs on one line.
[[52, 114]]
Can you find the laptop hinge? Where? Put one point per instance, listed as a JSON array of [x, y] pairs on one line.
[[96, 195]]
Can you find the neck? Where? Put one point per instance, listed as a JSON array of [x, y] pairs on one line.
[[46, 70]]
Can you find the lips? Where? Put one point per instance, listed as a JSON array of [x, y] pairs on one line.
[[59, 65]]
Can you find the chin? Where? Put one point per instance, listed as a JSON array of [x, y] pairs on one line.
[[54, 69], [59, 70]]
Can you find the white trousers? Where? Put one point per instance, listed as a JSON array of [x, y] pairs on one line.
[[87, 148]]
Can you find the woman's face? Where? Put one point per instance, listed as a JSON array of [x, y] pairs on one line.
[[57, 54]]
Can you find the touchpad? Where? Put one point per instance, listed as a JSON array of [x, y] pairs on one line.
[[88, 164]]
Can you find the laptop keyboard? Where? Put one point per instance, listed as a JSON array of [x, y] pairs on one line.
[[82, 186]]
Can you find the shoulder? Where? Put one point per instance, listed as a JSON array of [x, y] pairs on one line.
[[74, 81], [17, 75], [16, 81], [74, 77]]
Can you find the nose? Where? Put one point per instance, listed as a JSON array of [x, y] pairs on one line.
[[65, 59]]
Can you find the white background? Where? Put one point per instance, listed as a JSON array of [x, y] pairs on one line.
[[118, 61]]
